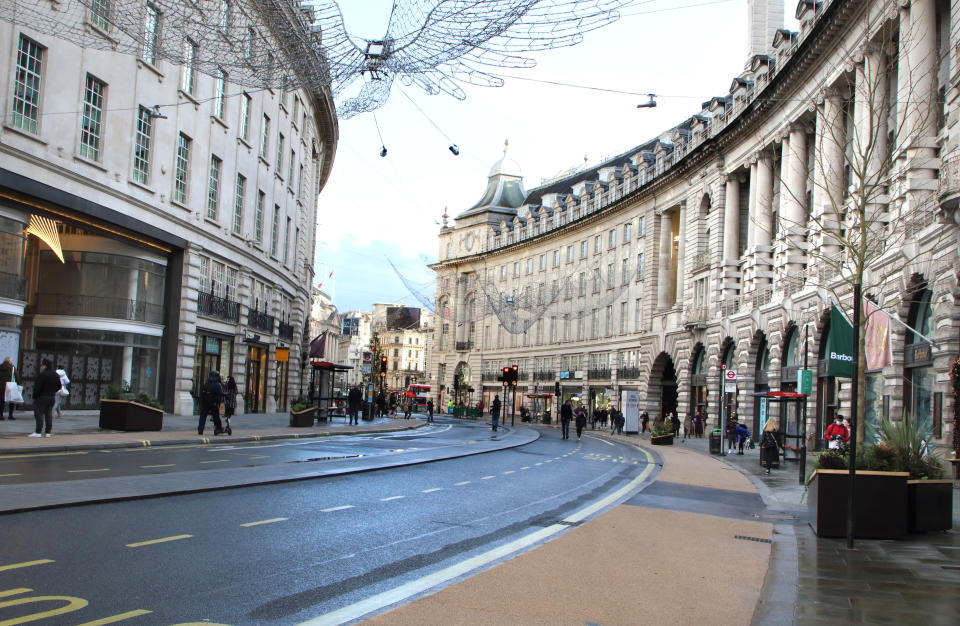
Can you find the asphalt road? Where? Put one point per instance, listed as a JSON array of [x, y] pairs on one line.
[[36, 467], [288, 553]]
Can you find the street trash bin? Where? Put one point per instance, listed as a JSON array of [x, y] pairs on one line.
[[715, 441]]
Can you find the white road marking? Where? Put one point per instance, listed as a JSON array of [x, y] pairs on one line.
[[466, 482], [599, 439], [265, 521], [403, 592], [487, 477], [392, 498], [337, 508], [432, 490], [508, 472], [525, 468]]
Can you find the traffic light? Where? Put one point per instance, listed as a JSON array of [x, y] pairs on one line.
[[383, 365], [514, 375], [506, 377]]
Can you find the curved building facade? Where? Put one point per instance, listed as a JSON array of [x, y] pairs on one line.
[[723, 243], [157, 223]]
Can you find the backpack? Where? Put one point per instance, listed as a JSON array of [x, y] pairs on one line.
[[209, 393]]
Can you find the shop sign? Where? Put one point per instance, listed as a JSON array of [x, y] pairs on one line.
[[839, 346], [729, 387], [917, 354], [564, 375], [805, 381], [283, 355]]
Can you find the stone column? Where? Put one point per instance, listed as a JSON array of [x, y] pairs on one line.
[[918, 62], [663, 266], [871, 104], [829, 180], [762, 217], [681, 251], [729, 273], [752, 209]]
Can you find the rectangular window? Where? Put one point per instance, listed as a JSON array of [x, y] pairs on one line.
[[598, 244], [503, 272], [583, 249], [245, 117], [569, 254], [100, 14], [636, 315], [265, 137], [516, 268], [26, 85], [181, 176], [213, 188], [204, 274], [224, 16], [92, 122], [286, 243], [640, 266], [594, 323], [276, 230], [613, 238], [280, 154], [188, 74], [627, 232], [643, 226], [596, 280], [249, 46], [626, 271], [543, 262], [296, 109], [151, 34], [611, 276], [582, 289], [239, 197], [608, 322], [258, 217], [556, 258], [290, 164], [141, 146], [529, 266], [623, 318], [219, 95]]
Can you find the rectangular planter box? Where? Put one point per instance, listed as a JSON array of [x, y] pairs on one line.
[[929, 505], [881, 504], [662, 440], [303, 419], [129, 416]]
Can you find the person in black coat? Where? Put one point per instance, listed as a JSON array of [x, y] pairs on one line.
[[210, 396], [353, 404], [581, 421], [45, 389], [566, 414], [495, 412], [7, 375]]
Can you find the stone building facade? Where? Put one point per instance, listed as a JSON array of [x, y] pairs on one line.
[[185, 206], [722, 243]]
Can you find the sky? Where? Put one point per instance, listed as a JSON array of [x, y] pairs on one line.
[[375, 210]]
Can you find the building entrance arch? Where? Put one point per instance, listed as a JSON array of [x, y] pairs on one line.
[[461, 384], [662, 386]]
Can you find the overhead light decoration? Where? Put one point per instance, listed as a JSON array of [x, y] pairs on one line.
[[45, 230]]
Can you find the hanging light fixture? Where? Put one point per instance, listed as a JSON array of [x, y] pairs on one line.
[[45, 229]]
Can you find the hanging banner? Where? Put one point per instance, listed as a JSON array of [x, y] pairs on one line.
[[839, 346], [876, 342]]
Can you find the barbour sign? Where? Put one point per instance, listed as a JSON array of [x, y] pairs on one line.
[[839, 346]]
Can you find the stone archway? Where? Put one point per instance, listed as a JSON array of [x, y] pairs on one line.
[[461, 383], [662, 386]]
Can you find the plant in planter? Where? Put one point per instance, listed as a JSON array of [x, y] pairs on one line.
[[302, 412], [662, 434], [123, 409], [898, 485]]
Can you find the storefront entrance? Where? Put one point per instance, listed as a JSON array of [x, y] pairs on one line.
[[255, 390]]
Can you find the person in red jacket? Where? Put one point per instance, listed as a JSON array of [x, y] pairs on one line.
[[836, 433]]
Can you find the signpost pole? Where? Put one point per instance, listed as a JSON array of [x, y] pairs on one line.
[[803, 418], [723, 408]]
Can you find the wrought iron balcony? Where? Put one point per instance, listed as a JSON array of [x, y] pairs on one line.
[[215, 306], [949, 192], [464, 346], [285, 331], [258, 320], [95, 306], [13, 286], [545, 375], [695, 317], [628, 373], [599, 374]]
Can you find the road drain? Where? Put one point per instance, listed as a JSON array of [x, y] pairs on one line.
[[757, 539]]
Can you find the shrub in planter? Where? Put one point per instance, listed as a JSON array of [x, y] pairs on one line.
[[662, 434], [302, 412], [123, 409]]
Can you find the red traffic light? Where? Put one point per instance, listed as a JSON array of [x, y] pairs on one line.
[[514, 374]]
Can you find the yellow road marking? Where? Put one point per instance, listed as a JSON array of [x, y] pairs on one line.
[[73, 604], [216, 461], [38, 454], [6, 475], [153, 541], [4, 568], [262, 456], [161, 465], [99, 469], [145, 443], [266, 521], [119, 617], [6, 593]]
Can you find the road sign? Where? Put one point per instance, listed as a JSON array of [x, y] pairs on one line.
[[805, 382], [730, 375], [729, 387]]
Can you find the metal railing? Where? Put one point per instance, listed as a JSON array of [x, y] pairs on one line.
[[762, 295], [599, 374], [624, 373], [96, 306], [949, 187], [215, 306], [793, 283], [729, 307], [258, 320], [545, 375], [464, 346], [285, 331]]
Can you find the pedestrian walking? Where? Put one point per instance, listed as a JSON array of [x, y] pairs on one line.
[[581, 421], [770, 445], [229, 403], [61, 395], [644, 421], [700, 421], [837, 433], [354, 398], [566, 414], [675, 422], [731, 435], [210, 396], [495, 412], [616, 419], [381, 404], [45, 389], [688, 426], [12, 395], [429, 410]]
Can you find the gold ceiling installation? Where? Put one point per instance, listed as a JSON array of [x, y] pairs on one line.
[[46, 231]]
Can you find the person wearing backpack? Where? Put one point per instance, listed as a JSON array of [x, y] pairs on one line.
[[770, 445], [210, 396]]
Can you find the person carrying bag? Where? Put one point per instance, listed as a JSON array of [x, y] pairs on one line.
[[12, 391]]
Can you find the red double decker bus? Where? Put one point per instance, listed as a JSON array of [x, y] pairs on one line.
[[418, 395]]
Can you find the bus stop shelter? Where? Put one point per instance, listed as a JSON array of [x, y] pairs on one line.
[[791, 421]]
